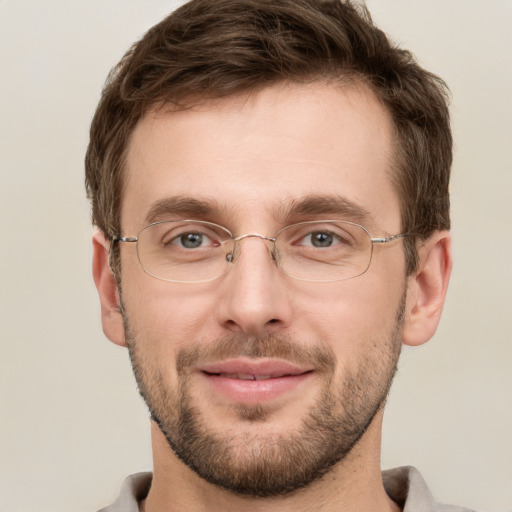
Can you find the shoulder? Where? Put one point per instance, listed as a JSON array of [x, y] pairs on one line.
[[406, 486], [134, 489]]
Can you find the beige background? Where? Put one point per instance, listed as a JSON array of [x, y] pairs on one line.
[[71, 423]]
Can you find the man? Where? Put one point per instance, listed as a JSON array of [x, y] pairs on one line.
[[270, 184]]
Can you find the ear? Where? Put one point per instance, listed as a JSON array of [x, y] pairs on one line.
[[111, 317], [426, 289]]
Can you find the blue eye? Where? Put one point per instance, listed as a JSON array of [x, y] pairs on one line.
[[320, 239], [178, 236], [191, 240]]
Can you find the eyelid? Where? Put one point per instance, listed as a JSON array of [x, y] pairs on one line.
[[191, 225], [302, 230], [337, 240]]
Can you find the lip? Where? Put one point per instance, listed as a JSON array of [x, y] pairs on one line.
[[251, 381]]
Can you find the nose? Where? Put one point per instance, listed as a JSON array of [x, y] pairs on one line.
[[253, 294]]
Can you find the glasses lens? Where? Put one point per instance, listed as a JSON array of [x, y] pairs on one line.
[[184, 251], [324, 251]]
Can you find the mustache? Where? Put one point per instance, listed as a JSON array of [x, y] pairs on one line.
[[273, 346]]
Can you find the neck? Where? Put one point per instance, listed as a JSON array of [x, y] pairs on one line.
[[353, 484]]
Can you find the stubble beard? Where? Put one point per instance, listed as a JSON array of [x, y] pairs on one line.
[[259, 464]]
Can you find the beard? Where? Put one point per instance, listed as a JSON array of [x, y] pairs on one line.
[[252, 462]]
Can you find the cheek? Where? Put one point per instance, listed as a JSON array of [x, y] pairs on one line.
[[166, 316], [162, 322], [350, 316]]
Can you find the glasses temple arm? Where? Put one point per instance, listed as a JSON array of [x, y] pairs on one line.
[[124, 239], [384, 240]]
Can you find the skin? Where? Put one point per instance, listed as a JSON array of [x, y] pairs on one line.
[[252, 155]]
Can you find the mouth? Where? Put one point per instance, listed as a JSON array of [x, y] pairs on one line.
[[250, 381], [244, 376]]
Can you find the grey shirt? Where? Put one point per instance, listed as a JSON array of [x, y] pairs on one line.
[[403, 485]]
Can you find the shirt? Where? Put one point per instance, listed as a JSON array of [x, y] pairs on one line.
[[404, 485]]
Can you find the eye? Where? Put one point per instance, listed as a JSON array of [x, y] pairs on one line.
[[190, 240], [320, 239], [184, 240], [193, 240]]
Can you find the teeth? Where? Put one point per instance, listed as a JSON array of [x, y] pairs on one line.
[[245, 376]]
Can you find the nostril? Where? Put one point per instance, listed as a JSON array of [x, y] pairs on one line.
[[273, 321]]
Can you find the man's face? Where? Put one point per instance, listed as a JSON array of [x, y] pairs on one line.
[[259, 382]]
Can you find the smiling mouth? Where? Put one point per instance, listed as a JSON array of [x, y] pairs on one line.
[[251, 376], [243, 368], [250, 383]]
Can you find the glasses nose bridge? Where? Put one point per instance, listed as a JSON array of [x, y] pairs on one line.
[[236, 241], [253, 235]]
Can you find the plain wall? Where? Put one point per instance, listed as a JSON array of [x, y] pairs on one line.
[[71, 423]]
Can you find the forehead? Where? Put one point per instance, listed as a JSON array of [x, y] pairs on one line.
[[252, 157]]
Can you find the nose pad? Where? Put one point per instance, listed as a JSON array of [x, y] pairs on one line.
[[234, 253], [274, 254]]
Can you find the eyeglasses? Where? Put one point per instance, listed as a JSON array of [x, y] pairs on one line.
[[193, 251]]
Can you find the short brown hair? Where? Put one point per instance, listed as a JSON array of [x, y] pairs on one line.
[[214, 48]]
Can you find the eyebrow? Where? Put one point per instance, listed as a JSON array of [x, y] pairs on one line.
[[315, 205], [292, 210], [182, 206]]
